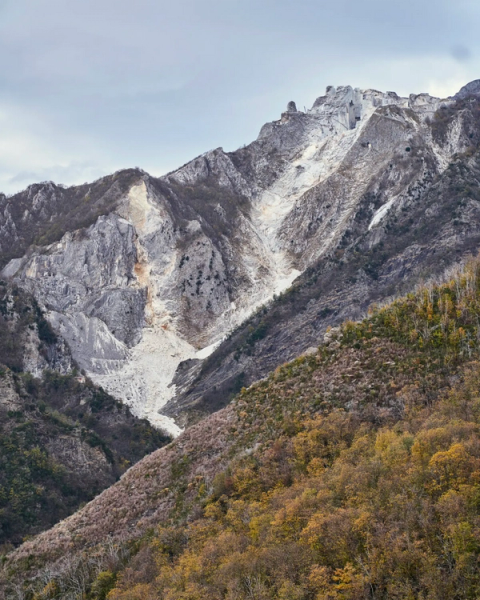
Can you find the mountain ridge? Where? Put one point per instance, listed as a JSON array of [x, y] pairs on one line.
[[173, 264]]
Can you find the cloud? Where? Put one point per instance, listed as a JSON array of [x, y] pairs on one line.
[[461, 52], [74, 172], [153, 83]]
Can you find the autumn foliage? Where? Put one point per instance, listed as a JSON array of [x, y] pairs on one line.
[[353, 473], [343, 509], [370, 498]]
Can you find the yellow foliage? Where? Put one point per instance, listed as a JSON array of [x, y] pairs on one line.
[[349, 583], [378, 501], [141, 591], [392, 448], [453, 468]]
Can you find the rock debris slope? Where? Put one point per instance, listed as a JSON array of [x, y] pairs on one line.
[[145, 277]]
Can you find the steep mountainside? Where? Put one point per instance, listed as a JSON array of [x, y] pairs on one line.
[[356, 199], [413, 211], [359, 461], [62, 439]]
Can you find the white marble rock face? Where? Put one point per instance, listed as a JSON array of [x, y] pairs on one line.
[[156, 282]]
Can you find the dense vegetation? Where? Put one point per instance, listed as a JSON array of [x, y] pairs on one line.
[[342, 509], [35, 490], [366, 490], [46, 468]]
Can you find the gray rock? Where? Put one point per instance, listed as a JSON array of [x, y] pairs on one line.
[[174, 264], [471, 89]]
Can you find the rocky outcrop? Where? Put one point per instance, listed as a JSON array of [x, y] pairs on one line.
[[471, 89], [145, 292]]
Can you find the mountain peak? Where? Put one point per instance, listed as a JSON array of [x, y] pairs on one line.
[[471, 89]]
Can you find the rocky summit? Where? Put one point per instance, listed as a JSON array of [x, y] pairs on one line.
[[174, 292]]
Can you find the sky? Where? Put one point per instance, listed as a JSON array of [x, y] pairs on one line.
[[88, 87]]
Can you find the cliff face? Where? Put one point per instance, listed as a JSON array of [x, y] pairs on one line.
[[144, 277]]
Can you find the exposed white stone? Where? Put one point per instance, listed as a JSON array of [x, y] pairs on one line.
[[381, 212], [144, 289], [12, 268]]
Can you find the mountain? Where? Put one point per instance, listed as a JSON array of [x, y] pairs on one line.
[[174, 292], [63, 440], [357, 462]]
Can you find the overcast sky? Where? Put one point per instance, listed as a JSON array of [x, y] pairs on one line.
[[91, 86]]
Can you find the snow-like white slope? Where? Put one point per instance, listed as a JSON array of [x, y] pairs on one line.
[[124, 293]]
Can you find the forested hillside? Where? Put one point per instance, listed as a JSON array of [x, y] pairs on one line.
[[352, 472], [368, 489]]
